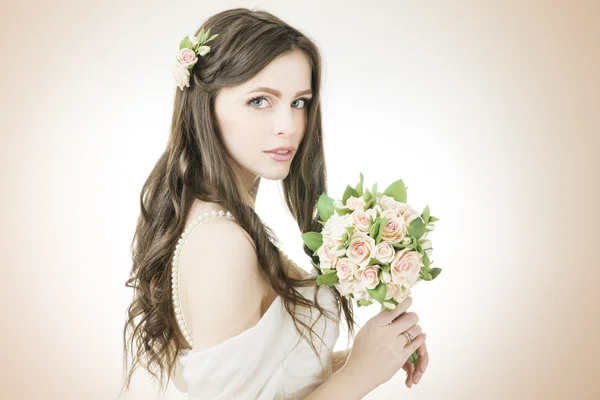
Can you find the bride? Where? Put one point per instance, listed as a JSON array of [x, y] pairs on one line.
[[218, 308]]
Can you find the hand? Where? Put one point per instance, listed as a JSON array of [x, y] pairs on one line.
[[415, 372], [380, 349]]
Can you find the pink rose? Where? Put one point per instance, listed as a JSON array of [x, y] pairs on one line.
[[360, 249], [326, 257], [369, 276], [384, 251], [395, 229], [360, 219], [346, 269], [406, 266], [187, 57]]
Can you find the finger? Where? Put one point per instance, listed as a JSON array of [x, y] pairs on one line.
[[385, 316], [409, 374], [423, 357], [419, 370], [414, 332], [415, 344]]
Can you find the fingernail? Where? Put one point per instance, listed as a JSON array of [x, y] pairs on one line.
[[418, 379]]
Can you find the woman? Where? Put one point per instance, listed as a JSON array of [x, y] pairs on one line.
[[218, 307]]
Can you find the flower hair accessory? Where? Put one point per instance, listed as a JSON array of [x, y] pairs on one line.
[[189, 49]]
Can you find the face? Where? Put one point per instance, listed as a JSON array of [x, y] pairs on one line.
[[268, 111]]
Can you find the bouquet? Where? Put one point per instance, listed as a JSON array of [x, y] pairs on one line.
[[373, 247]]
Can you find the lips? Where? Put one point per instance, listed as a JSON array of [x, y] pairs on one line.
[[288, 148]]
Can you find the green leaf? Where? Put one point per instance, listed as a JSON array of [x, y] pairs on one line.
[[325, 207], [370, 203], [212, 37], [359, 187], [313, 240], [186, 43], [367, 196], [350, 191], [379, 292], [350, 230], [206, 35], [435, 272], [416, 228], [426, 214], [374, 261], [433, 219], [390, 304], [414, 357], [364, 303], [200, 36], [328, 279], [374, 190], [345, 237], [382, 223], [397, 190], [344, 211], [373, 226], [426, 260]]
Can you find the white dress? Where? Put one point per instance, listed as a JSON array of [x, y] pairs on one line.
[[267, 361]]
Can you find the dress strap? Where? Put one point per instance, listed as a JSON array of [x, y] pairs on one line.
[[183, 326]]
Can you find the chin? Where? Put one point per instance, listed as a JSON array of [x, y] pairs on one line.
[[275, 175]]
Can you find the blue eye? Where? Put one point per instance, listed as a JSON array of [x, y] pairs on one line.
[[252, 101]]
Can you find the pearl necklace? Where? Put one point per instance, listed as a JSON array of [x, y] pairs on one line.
[[183, 326]]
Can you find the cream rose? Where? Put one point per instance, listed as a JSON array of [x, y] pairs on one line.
[[384, 251], [346, 269], [390, 290], [408, 213], [336, 225], [401, 294], [333, 245], [369, 276], [355, 203], [406, 266], [182, 76], [386, 277], [395, 230], [387, 202], [187, 57], [360, 249], [327, 258], [360, 219], [360, 293], [344, 287], [203, 50]]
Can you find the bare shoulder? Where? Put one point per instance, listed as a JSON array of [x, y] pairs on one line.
[[220, 283]]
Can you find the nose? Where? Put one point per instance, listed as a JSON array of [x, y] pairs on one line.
[[286, 122]]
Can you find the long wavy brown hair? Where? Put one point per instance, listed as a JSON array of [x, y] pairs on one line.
[[195, 165]]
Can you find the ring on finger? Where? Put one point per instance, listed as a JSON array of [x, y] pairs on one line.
[[408, 336]]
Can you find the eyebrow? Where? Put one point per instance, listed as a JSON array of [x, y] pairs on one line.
[[277, 92]]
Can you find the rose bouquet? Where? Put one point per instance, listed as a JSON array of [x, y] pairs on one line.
[[373, 247]]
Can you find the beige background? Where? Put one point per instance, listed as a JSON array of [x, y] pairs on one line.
[[489, 111]]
